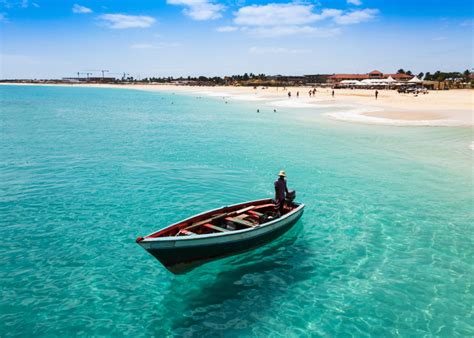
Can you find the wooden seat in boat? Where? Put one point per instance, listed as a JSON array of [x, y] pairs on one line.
[[214, 227], [255, 213], [240, 221], [241, 211], [238, 214], [209, 220], [263, 206], [186, 232]]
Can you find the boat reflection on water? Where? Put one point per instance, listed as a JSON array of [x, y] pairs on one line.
[[240, 288]]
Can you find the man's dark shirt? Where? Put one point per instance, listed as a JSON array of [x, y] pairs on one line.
[[280, 189]]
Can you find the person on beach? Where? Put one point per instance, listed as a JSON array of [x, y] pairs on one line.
[[289, 95], [297, 94], [310, 92], [376, 94], [333, 93], [280, 191]]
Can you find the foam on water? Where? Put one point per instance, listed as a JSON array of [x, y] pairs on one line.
[[357, 115], [247, 97], [214, 93], [232, 96], [345, 112], [297, 103], [384, 247]]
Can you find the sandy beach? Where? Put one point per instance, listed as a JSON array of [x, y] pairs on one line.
[[437, 108]]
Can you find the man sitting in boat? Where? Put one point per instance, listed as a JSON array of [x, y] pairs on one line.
[[280, 192]]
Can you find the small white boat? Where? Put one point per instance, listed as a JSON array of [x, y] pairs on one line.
[[220, 233]]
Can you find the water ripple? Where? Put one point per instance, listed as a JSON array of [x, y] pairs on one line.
[[383, 248]]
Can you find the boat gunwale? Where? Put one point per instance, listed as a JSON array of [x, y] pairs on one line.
[[147, 239]]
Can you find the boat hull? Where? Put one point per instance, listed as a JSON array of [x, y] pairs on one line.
[[180, 256]]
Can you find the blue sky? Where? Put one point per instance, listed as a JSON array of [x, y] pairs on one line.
[[52, 39]]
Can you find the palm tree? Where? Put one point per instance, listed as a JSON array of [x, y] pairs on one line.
[[467, 75], [438, 76]]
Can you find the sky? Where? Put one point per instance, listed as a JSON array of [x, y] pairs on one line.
[[46, 39]]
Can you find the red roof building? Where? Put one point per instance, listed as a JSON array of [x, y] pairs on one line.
[[400, 77], [340, 77], [375, 74]]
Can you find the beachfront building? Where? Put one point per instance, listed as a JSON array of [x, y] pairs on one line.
[[88, 79], [373, 75], [316, 79]]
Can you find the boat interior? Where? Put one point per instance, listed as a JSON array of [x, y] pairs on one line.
[[239, 217]]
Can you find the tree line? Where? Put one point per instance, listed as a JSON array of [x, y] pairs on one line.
[[213, 79], [250, 78], [440, 76]]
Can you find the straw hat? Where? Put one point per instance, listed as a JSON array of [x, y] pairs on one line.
[[282, 173]]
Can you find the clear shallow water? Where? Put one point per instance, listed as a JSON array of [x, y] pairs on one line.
[[385, 246]]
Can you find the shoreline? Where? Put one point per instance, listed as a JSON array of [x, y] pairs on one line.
[[438, 108]]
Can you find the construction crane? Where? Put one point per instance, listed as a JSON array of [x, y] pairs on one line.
[[124, 75], [79, 74], [103, 71], [115, 76]]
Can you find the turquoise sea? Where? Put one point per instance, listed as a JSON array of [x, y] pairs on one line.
[[385, 247]]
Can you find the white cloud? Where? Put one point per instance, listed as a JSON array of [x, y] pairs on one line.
[[279, 31], [276, 50], [440, 38], [356, 16], [330, 13], [34, 4], [168, 44], [15, 4], [78, 9], [142, 46], [199, 9], [122, 21], [469, 22], [227, 29], [155, 45], [354, 2], [276, 14], [276, 19], [3, 17], [297, 14], [290, 14]]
